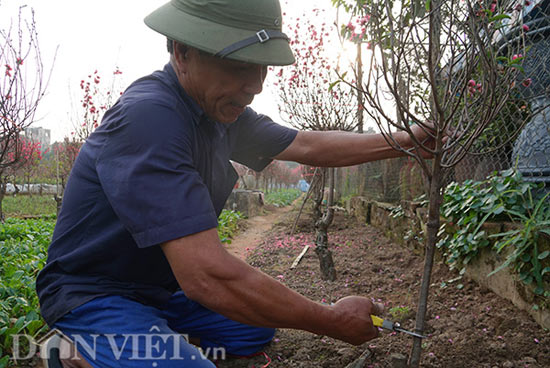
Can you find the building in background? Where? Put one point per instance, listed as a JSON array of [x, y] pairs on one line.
[[40, 135]]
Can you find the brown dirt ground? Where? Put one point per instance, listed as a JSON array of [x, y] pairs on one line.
[[467, 326]]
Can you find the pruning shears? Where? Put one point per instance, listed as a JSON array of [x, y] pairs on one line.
[[392, 326]]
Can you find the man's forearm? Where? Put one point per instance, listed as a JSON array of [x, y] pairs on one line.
[[229, 286], [337, 149]]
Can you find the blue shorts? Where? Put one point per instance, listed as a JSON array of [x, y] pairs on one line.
[[114, 331]]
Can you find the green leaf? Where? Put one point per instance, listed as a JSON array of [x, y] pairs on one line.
[[546, 270], [503, 59], [499, 17], [541, 202], [333, 84], [544, 254], [528, 280], [499, 210], [504, 235], [33, 316], [428, 5], [4, 361], [518, 67], [33, 326], [507, 173], [501, 267]]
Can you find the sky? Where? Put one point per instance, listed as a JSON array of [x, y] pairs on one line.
[[85, 36]]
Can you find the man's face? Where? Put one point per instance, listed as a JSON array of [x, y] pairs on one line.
[[221, 87]]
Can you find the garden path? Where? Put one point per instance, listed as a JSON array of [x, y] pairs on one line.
[[253, 230]]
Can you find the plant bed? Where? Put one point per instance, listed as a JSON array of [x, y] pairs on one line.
[[407, 231], [468, 325]]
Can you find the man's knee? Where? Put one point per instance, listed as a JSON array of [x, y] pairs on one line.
[[264, 335], [248, 343]]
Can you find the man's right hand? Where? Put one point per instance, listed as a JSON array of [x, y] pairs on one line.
[[354, 323]]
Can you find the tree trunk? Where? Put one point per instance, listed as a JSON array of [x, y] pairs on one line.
[[3, 190], [432, 230], [318, 198], [326, 262], [321, 238], [58, 202], [27, 178], [2, 194], [435, 192], [359, 63]]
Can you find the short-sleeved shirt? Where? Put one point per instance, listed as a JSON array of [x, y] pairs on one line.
[[156, 169]]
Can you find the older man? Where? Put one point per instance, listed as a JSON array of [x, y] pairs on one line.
[[135, 259]]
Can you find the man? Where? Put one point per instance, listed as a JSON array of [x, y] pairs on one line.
[[135, 259]]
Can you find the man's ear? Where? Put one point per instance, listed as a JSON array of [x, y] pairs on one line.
[[181, 54], [182, 49]]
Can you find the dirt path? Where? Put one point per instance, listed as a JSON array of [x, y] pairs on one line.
[[255, 230]]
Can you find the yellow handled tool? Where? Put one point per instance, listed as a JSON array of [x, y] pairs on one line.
[[392, 326]]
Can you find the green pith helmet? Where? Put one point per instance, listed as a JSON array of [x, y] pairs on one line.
[[244, 30]]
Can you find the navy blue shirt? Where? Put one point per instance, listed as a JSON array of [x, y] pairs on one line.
[[156, 169]]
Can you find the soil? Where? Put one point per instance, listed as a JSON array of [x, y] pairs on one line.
[[467, 326]]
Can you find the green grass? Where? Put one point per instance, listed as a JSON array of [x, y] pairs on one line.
[[23, 246], [282, 197], [25, 205]]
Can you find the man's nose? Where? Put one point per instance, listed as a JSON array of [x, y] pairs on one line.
[[255, 79]]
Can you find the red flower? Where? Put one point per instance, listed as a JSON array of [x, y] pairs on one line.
[[527, 82]]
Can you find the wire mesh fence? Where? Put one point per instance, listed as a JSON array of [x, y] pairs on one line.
[[517, 138]]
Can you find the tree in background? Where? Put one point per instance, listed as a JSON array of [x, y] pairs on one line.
[[307, 103], [442, 65], [276, 175], [61, 164], [94, 101], [279, 175], [22, 87], [31, 155]]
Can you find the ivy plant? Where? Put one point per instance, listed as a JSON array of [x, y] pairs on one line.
[[526, 257], [501, 197]]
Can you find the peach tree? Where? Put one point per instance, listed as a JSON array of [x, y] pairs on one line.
[[448, 66]]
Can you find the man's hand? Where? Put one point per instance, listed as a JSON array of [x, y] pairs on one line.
[[426, 136], [355, 325]]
